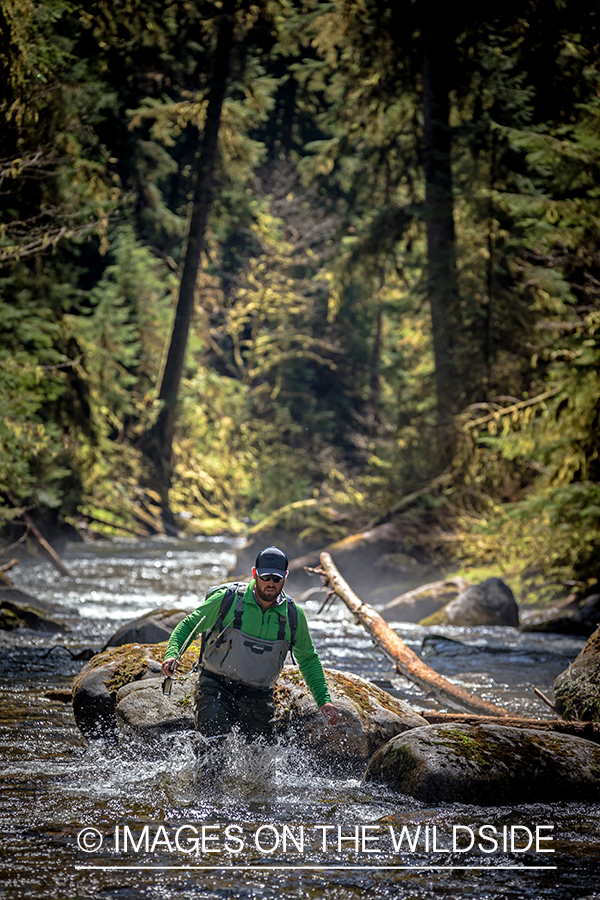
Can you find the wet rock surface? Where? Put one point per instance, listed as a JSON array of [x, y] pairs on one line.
[[20, 610], [488, 765], [490, 603], [577, 690]]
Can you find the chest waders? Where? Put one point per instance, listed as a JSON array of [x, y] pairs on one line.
[[239, 657], [238, 672]]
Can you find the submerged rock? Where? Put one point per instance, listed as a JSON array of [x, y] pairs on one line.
[[490, 603], [488, 765], [577, 690], [151, 628]]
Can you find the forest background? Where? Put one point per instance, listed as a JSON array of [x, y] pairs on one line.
[[388, 213]]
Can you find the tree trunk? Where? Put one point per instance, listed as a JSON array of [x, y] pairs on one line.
[[159, 442], [438, 68]]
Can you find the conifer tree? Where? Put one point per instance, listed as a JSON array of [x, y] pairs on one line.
[[160, 439]]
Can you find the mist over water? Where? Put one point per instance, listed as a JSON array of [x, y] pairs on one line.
[[273, 799]]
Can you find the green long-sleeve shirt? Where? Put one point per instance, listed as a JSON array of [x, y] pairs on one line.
[[258, 623]]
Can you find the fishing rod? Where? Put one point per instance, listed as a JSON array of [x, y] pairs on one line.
[[168, 682]]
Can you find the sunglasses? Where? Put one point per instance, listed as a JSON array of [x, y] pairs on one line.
[[276, 579]]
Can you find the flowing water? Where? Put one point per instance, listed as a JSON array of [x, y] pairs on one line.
[[81, 821]]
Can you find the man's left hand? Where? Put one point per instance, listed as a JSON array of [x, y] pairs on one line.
[[330, 713]]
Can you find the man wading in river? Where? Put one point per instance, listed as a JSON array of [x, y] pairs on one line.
[[247, 632]]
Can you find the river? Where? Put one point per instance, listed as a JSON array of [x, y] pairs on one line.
[[271, 822]]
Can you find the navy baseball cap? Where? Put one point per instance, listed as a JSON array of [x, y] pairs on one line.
[[271, 561]]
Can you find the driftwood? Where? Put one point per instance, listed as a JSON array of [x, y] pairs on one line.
[[405, 661], [430, 591], [588, 730]]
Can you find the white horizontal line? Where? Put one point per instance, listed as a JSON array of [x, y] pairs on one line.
[[315, 868]]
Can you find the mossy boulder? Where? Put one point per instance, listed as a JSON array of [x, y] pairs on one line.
[[369, 716], [151, 628], [490, 603], [96, 687], [488, 765], [577, 690]]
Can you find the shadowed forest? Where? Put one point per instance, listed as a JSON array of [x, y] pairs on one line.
[[304, 264]]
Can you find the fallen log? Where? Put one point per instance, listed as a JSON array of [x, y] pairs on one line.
[[588, 730], [46, 548], [382, 535], [405, 661], [430, 591]]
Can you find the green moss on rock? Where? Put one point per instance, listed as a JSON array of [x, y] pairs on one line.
[[577, 690], [436, 618], [129, 662]]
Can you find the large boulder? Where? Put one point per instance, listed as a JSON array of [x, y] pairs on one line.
[[151, 628], [20, 610], [577, 690], [369, 716], [488, 765], [96, 687], [490, 603]]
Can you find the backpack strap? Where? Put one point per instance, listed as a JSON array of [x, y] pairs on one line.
[[292, 614], [239, 608], [234, 588]]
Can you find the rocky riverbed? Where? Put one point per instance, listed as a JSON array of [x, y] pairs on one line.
[[56, 784]]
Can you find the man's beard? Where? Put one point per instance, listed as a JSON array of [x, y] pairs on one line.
[[267, 598]]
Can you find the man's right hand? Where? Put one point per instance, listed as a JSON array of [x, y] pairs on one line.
[[169, 667]]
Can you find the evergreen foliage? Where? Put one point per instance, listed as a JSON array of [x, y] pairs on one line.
[[313, 375]]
